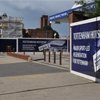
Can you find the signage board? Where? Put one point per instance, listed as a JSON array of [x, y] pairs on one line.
[[7, 42], [85, 55], [40, 44]]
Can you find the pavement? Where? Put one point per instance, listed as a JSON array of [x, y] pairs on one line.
[[39, 57], [39, 80]]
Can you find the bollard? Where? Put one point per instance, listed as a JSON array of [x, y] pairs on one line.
[[24, 51], [44, 55], [43, 51], [60, 58], [33, 51], [53, 51], [14, 50], [54, 57], [7, 48], [49, 56], [62, 50], [10, 48]]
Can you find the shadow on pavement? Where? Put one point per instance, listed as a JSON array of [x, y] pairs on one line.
[[27, 68]]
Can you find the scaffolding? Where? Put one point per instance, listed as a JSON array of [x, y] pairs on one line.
[[11, 27]]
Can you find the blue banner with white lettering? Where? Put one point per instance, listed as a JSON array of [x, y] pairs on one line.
[[86, 49], [39, 44]]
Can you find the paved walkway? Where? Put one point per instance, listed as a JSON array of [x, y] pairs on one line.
[[4, 59], [39, 57], [24, 80]]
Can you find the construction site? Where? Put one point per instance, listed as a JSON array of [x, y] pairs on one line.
[[11, 27]]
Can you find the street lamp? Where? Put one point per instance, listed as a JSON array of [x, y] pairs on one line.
[[55, 34]]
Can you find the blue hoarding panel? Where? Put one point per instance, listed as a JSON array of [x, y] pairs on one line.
[[7, 42], [39, 44], [86, 49]]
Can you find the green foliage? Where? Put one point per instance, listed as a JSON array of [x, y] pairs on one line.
[[82, 2], [96, 12], [93, 12], [38, 29], [47, 28], [50, 28], [57, 34]]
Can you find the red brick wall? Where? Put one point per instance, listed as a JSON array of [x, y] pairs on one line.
[[41, 22], [76, 16], [46, 21], [42, 33], [0, 27], [21, 56]]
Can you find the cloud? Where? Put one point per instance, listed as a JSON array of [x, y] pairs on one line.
[[32, 10], [5, 8], [46, 5]]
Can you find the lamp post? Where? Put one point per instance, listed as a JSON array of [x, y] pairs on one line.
[[55, 34]]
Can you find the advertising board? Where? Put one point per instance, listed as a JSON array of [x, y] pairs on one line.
[[85, 56], [7, 42], [40, 44]]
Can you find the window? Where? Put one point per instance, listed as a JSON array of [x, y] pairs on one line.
[[32, 34], [37, 34], [45, 34], [48, 34]]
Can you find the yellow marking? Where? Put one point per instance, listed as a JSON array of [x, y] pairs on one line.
[[12, 62], [26, 76], [6, 63], [4, 25]]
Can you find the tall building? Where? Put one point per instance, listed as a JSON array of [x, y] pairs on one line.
[[44, 21], [10, 27]]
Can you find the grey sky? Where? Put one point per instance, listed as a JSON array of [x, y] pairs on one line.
[[32, 10]]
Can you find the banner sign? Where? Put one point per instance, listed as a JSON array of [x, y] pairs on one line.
[[86, 49], [87, 7], [58, 16], [40, 44], [7, 42]]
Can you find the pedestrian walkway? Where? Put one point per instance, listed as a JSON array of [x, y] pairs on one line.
[[23, 80], [39, 57], [4, 59]]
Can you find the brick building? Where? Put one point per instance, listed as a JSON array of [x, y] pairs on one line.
[[44, 21], [36, 33], [76, 16]]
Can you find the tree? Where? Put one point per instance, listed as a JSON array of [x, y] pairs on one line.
[[38, 29], [93, 12], [50, 28], [82, 2], [57, 34], [47, 28], [96, 12]]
